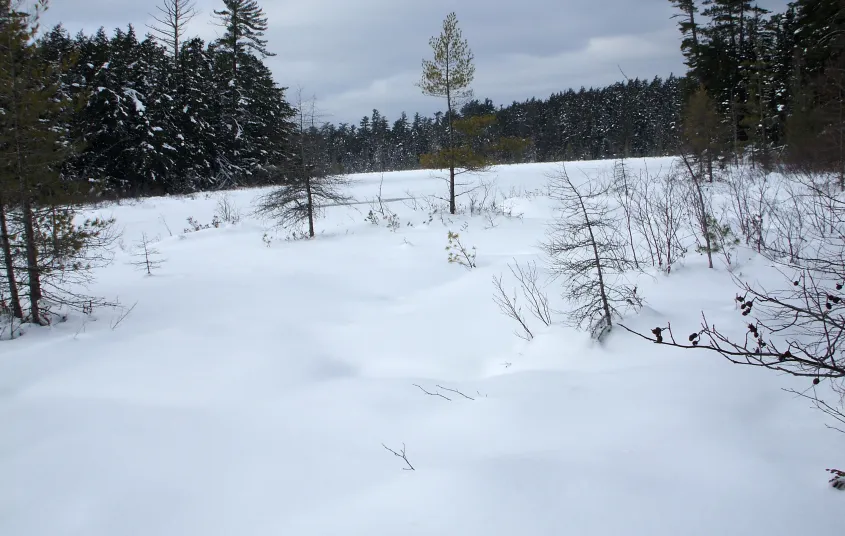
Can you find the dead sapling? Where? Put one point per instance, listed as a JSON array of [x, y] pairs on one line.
[[401, 454], [147, 257]]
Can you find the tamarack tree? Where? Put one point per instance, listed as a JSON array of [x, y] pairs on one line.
[[586, 251]]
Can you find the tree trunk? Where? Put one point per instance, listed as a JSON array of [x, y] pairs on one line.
[[453, 209], [32, 268], [310, 206], [604, 301], [6, 244]]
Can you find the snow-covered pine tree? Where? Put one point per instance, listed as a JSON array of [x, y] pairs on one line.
[[244, 24]]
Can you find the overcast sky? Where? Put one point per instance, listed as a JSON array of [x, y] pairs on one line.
[[356, 55]]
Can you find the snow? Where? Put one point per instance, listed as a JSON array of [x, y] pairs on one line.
[[136, 99], [251, 388]]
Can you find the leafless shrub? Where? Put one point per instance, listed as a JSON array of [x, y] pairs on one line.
[[658, 216], [381, 212], [529, 281], [796, 328], [748, 203], [586, 253], [226, 210], [625, 195], [508, 306], [788, 223]]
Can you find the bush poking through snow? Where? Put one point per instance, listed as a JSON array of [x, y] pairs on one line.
[[148, 257], [227, 211], [509, 307], [535, 297], [458, 253], [586, 251], [195, 226]]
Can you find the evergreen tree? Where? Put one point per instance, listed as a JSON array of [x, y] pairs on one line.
[[448, 75], [244, 25]]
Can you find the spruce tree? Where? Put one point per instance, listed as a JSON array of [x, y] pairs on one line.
[[244, 25]]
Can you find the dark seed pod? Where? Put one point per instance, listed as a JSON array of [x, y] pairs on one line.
[[745, 313], [695, 343], [839, 286], [829, 306], [796, 283], [693, 337], [816, 381]]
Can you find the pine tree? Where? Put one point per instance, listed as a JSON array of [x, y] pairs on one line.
[[448, 75], [35, 142]]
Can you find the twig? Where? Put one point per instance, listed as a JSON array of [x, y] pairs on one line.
[[401, 455], [124, 315], [455, 391], [432, 394]]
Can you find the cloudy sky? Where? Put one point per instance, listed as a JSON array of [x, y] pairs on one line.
[[356, 55]]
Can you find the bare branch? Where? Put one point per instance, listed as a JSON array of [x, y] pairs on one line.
[[400, 454]]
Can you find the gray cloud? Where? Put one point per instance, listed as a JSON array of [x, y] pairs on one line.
[[356, 55]]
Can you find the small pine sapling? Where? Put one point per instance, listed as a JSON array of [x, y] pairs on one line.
[[458, 253]]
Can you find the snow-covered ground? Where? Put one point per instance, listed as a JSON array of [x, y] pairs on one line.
[[252, 391]]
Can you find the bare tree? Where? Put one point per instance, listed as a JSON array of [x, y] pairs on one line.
[[585, 251], [172, 18], [148, 257], [307, 182]]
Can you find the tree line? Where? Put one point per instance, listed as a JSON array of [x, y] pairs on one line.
[[633, 118], [111, 116]]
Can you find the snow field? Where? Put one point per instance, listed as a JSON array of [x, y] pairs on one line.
[[252, 388]]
